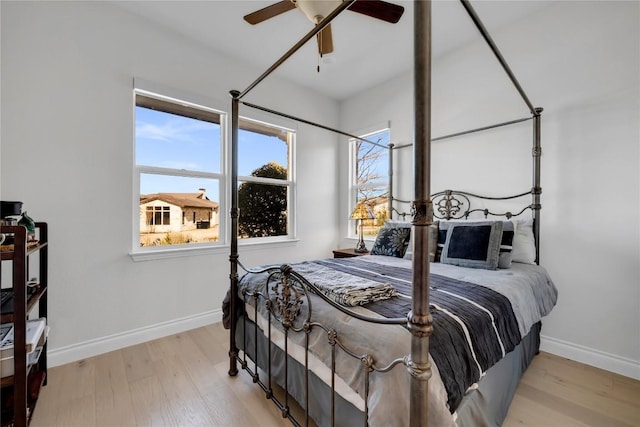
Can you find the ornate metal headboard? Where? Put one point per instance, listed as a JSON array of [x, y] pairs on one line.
[[453, 204]]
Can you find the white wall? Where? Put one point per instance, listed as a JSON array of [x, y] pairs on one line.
[[67, 132], [580, 61]]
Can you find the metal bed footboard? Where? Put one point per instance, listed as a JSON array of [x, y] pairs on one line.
[[285, 297]]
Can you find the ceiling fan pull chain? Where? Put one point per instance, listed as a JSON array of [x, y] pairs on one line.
[[320, 50]]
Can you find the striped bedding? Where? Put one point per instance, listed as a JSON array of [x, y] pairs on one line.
[[474, 326], [479, 316]]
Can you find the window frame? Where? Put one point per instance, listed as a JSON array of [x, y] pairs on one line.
[[190, 101], [259, 119], [353, 186]]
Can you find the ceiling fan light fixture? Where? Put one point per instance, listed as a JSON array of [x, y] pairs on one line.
[[313, 9], [317, 10]]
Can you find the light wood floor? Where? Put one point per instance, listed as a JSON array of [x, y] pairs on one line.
[[182, 380]]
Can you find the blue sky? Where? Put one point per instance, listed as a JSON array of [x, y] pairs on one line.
[[176, 142]]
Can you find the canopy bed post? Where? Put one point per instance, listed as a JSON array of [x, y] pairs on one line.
[[233, 257], [494, 48], [236, 97], [419, 319], [390, 200], [536, 191]]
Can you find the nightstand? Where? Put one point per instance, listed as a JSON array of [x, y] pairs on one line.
[[347, 253]]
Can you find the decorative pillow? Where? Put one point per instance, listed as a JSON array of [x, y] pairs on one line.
[[506, 245], [396, 223], [524, 243], [391, 241], [474, 245]]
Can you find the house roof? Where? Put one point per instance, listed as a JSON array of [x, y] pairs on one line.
[[184, 200]]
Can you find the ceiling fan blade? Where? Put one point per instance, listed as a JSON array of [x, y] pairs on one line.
[[325, 40], [269, 12], [378, 9]]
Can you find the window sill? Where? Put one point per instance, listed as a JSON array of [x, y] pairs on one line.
[[261, 244], [207, 250], [177, 252]]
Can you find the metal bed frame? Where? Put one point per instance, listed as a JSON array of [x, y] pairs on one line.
[[292, 289]]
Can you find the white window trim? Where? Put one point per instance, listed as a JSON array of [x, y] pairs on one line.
[[363, 133], [170, 94], [199, 249], [159, 91], [272, 120]]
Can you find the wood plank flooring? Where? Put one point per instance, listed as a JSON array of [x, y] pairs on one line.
[[182, 380]]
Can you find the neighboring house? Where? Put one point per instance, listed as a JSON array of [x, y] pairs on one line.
[[379, 205], [175, 212]]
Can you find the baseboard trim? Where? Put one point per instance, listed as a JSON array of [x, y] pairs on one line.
[[589, 356], [60, 356], [94, 347]]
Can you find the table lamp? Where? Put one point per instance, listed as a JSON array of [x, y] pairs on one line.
[[360, 213]]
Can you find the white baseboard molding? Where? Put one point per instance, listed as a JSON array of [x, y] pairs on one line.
[[60, 356], [589, 356], [94, 347]]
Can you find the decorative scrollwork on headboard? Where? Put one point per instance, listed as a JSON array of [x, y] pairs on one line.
[[453, 204], [447, 206]]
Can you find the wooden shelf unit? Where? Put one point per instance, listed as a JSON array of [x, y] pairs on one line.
[[24, 385]]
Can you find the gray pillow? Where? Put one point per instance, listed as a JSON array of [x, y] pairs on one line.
[[433, 244], [474, 245]]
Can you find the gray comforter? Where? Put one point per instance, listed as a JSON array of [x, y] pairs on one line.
[[462, 348]]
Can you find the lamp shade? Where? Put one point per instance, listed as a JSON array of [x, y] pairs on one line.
[[362, 211]]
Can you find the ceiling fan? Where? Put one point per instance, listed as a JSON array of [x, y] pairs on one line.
[[316, 10]]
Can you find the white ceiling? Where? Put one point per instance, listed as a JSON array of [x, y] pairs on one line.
[[367, 51]]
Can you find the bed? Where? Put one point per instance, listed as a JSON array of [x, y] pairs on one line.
[[341, 323], [441, 338]]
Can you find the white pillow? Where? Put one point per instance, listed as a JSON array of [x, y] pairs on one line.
[[524, 243]]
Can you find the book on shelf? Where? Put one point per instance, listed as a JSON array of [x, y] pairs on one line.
[[35, 330]]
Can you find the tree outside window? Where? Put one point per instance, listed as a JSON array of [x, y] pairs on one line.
[[264, 193], [370, 179], [263, 207]]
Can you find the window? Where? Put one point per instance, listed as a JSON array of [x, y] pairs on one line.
[[178, 158], [158, 215], [370, 180], [265, 180]]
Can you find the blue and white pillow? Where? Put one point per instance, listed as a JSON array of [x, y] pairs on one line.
[[391, 241], [473, 244], [433, 237]]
